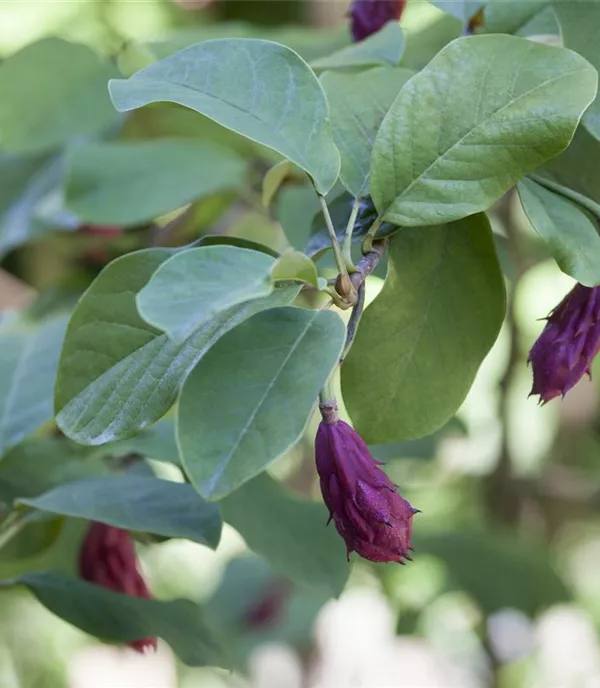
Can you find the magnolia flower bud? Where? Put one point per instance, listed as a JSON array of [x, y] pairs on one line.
[[568, 344], [107, 558], [369, 16], [368, 512]]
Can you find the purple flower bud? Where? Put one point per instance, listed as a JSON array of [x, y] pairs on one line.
[[568, 344], [374, 520], [107, 558], [369, 16]]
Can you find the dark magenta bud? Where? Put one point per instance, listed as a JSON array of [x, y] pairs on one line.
[[369, 16], [568, 344], [107, 558], [268, 610], [368, 512]]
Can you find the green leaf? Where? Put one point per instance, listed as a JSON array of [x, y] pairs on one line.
[[130, 183], [51, 91], [289, 532], [27, 369], [294, 265], [157, 442], [384, 47], [543, 23], [193, 287], [576, 170], [496, 571], [579, 24], [145, 505], [249, 399], [422, 340], [568, 230], [461, 9], [358, 104], [472, 123], [273, 179], [510, 16], [117, 374], [41, 463], [118, 618], [260, 89], [295, 208], [25, 183]]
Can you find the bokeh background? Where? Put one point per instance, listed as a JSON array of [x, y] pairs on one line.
[[504, 589]]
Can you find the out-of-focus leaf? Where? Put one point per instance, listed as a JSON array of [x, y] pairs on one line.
[[384, 47], [461, 9], [295, 209], [249, 584], [157, 442], [51, 91], [308, 41], [497, 571], [579, 23], [41, 463], [260, 89], [571, 234], [230, 428], [510, 16], [289, 532], [117, 374], [146, 505], [117, 618], [130, 183], [27, 187], [576, 171], [358, 104], [27, 369]]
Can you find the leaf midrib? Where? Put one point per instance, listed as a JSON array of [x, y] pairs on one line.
[[224, 464]]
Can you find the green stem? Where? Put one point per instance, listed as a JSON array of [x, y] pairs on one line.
[[354, 321], [367, 244], [337, 252], [12, 526], [347, 244], [327, 394]]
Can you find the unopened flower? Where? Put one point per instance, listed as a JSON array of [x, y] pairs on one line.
[[369, 16], [107, 558], [368, 512], [568, 344]]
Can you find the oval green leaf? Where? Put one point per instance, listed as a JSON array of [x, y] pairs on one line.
[[145, 505], [289, 532], [249, 399], [131, 183], [51, 91], [117, 375], [422, 340], [483, 113], [194, 286], [117, 618], [27, 370], [569, 231], [257, 88]]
